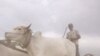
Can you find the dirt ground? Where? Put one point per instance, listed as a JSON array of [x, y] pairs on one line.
[[5, 51]]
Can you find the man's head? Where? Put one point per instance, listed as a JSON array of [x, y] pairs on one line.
[[70, 26]]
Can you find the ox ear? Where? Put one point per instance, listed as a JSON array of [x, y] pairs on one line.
[[28, 26]]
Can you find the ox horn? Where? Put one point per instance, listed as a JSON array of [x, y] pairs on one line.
[[28, 26]]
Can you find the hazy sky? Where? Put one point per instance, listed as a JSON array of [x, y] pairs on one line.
[[52, 16]]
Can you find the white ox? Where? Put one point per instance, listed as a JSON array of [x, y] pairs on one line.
[[40, 46]]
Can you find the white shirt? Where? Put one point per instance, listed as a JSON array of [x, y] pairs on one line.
[[73, 35]]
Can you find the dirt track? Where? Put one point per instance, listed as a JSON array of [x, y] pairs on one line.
[[5, 51]]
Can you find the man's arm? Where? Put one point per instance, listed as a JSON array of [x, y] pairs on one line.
[[78, 35], [68, 37]]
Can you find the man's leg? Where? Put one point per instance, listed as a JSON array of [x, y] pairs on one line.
[[77, 49]]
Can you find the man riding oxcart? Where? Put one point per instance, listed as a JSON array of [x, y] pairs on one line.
[[74, 37], [38, 45]]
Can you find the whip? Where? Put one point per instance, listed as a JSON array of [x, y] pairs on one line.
[[65, 32]]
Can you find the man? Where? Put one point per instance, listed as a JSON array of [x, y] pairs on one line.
[[73, 36]]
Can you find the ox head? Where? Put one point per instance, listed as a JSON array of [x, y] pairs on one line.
[[19, 34]]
